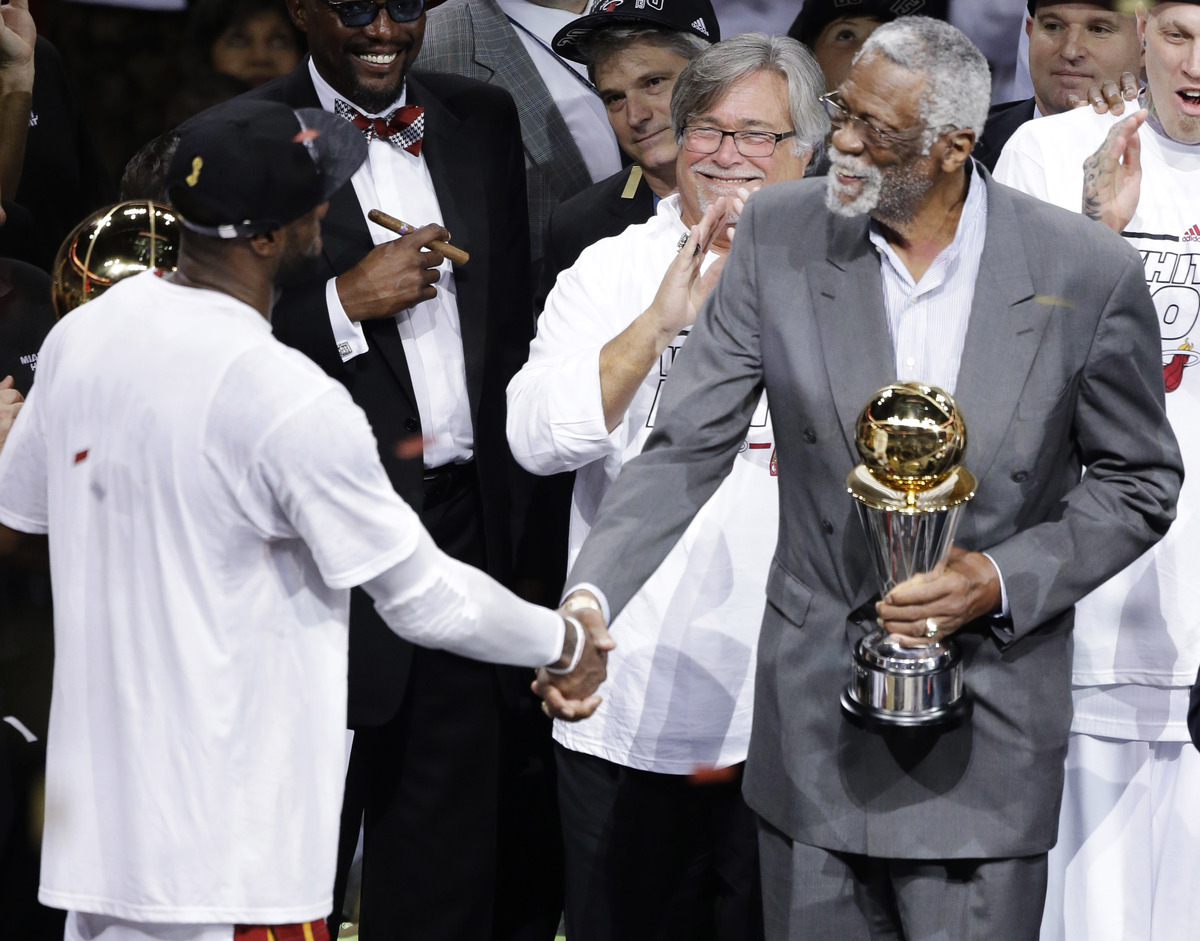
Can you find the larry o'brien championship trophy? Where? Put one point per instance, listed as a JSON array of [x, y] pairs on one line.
[[909, 490]]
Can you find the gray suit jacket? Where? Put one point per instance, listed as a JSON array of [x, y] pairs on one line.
[[474, 38], [1061, 369]]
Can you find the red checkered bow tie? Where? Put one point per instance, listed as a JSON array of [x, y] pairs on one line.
[[404, 127]]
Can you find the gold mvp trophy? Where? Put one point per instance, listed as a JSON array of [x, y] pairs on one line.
[[909, 489]]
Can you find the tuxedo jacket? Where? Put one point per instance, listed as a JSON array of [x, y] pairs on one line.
[[472, 147], [602, 210], [1002, 122], [1061, 370], [474, 38]]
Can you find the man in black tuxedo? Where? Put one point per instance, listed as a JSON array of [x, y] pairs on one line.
[[426, 351]]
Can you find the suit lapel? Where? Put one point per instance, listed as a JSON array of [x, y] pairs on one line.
[[548, 141], [1005, 330], [847, 296], [459, 186]]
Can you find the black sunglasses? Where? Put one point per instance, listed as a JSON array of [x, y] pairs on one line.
[[354, 13]]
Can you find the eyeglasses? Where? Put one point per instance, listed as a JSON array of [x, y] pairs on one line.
[[354, 13], [871, 135], [708, 140]]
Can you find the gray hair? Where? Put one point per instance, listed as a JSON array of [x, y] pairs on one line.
[[958, 88], [710, 76], [597, 47]]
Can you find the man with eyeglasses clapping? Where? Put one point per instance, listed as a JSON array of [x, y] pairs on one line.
[[650, 789]]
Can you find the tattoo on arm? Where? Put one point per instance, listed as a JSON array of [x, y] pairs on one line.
[[1091, 186]]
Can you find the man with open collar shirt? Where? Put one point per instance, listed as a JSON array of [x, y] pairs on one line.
[[426, 351], [911, 263]]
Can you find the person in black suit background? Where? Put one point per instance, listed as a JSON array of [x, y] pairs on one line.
[[426, 351], [1072, 47], [1194, 713]]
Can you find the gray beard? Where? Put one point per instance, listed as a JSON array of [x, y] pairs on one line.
[[890, 196]]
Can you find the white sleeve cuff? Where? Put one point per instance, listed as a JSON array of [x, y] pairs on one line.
[[348, 335], [600, 597], [1003, 591]]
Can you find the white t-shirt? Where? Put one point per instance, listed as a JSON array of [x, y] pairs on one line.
[[210, 497], [1140, 631], [681, 680]]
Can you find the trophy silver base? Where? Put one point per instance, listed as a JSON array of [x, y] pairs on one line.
[[882, 720], [905, 687]]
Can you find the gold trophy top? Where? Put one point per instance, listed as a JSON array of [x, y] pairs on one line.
[[911, 438], [109, 245]]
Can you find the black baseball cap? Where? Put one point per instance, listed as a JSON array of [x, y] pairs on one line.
[[686, 16], [249, 166], [1113, 6], [817, 14]]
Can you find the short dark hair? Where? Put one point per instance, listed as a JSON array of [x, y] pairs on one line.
[[145, 175], [602, 43]]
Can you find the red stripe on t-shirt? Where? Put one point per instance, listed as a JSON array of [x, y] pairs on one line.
[[310, 931]]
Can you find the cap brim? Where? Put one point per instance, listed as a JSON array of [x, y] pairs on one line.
[[566, 40], [339, 148]]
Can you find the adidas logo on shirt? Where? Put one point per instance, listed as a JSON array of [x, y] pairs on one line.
[[1192, 234], [698, 23]]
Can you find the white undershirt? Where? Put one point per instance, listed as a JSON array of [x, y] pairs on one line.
[[581, 108], [399, 183]]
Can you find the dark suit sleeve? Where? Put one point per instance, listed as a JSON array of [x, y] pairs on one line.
[[1126, 499], [301, 320], [1194, 713], [554, 259]]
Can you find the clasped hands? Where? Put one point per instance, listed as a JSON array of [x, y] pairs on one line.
[[572, 696], [964, 587]]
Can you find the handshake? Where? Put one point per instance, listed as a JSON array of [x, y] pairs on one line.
[[568, 686]]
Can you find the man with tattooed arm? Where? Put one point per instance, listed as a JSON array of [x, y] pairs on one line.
[[1129, 847]]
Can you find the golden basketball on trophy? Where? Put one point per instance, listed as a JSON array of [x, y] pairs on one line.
[[109, 245], [909, 489]]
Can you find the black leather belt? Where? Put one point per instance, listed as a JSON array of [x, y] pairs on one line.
[[441, 482]]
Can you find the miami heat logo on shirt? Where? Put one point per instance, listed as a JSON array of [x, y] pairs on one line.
[[759, 441], [1173, 278]]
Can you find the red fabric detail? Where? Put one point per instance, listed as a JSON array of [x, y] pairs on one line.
[[318, 931]]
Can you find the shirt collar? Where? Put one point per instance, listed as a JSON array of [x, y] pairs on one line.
[[974, 211], [326, 94]]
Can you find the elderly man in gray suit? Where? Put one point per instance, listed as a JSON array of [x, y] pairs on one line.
[[909, 262]]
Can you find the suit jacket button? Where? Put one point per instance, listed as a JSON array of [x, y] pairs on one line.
[[810, 436], [1019, 477], [412, 424], [827, 526]]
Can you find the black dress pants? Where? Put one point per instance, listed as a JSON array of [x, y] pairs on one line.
[[656, 856], [425, 784]]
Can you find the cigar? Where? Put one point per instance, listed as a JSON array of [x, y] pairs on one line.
[[392, 224]]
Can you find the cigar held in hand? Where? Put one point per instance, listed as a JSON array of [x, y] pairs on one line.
[[456, 255]]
